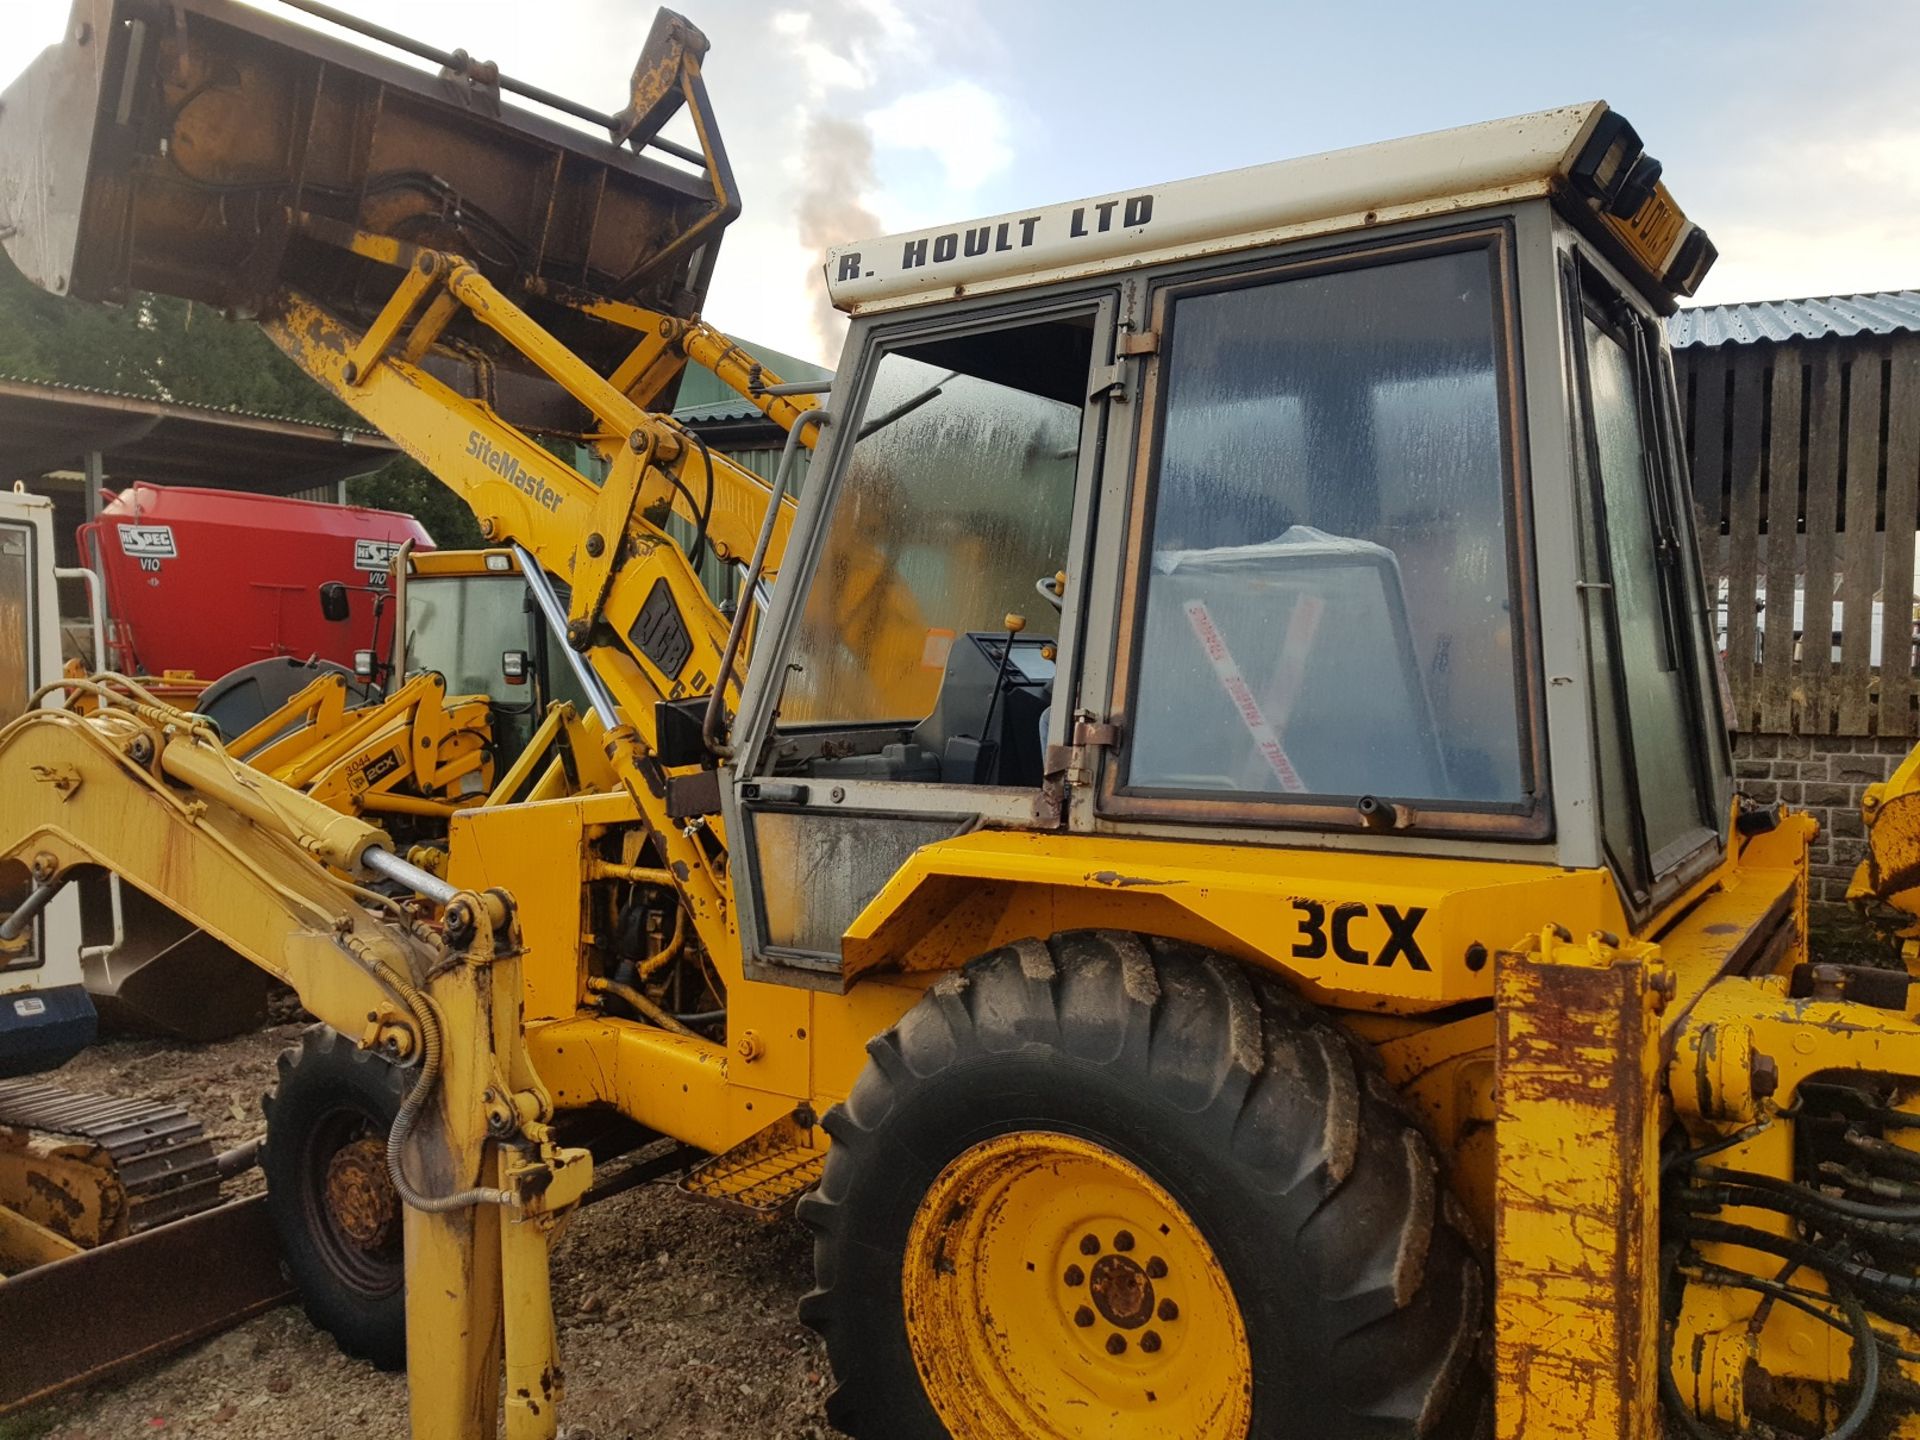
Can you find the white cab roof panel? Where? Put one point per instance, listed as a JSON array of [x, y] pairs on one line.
[[1475, 165]]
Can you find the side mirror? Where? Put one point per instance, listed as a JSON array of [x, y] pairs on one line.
[[333, 601], [363, 664], [514, 666]]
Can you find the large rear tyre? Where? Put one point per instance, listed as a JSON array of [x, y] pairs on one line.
[[333, 1207], [1109, 1185]]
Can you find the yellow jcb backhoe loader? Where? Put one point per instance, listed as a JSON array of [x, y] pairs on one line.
[[1316, 977]]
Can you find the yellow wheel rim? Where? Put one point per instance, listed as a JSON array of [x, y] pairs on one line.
[[1054, 1291]]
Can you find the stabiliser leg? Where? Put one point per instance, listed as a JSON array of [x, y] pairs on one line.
[[494, 1188], [1577, 1326]]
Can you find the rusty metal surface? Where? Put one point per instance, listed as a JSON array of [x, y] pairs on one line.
[[1576, 1332], [188, 147], [86, 1317], [155, 1158], [360, 1196], [764, 1175], [654, 90]]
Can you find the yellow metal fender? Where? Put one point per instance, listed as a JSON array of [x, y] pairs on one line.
[[1414, 936]]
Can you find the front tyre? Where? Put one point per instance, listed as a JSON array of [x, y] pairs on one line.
[[1105, 1186], [337, 1215]]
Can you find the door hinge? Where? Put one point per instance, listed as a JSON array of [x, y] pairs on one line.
[[1071, 765], [1109, 382], [1095, 735]]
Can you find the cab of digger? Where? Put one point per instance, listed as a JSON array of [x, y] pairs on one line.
[[1351, 516], [1327, 605], [914, 656], [469, 616]]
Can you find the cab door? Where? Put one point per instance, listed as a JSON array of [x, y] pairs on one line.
[[1324, 617], [922, 652]]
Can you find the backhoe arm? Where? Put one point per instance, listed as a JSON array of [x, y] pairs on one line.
[[171, 814], [638, 612], [577, 528], [148, 793]]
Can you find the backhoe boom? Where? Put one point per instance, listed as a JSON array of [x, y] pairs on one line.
[[149, 793]]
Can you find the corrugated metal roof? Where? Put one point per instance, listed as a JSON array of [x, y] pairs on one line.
[[185, 407], [1821, 318], [716, 412]]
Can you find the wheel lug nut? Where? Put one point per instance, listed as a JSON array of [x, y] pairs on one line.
[[1169, 1310], [1075, 1275], [1083, 1317], [1156, 1269], [1116, 1344], [1089, 1245], [1150, 1342], [1123, 1242]]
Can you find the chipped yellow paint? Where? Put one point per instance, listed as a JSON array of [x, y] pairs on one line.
[[1056, 1292], [1576, 1326]]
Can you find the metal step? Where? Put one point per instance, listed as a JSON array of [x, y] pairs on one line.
[[765, 1174]]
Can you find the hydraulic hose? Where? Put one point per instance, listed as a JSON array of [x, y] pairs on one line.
[[671, 950], [408, 1116], [1838, 1206], [640, 1003], [1866, 1369], [716, 703], [1851, 1272]]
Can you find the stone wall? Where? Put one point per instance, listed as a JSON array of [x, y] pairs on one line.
[[1823, 775]]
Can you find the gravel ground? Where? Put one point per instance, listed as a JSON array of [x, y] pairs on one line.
[[676, 1319]]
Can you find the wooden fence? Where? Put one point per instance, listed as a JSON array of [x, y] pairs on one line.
[[1806, 477]]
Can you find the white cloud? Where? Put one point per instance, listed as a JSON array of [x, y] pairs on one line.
[[826, 68], [1888, 159], [800, 98], [1821, 256], [963, 125], [1830, 211]]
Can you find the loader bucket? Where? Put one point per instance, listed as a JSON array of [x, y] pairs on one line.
[[208, 150]]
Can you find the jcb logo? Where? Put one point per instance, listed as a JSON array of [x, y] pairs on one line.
[[367, 773], [1320, 932]]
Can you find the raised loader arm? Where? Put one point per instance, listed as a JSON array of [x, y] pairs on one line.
[[208, 150]]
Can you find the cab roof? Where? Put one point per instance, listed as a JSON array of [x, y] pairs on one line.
[[1586, 152]]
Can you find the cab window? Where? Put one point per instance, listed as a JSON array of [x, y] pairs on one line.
[[1647, 638], [460, 625], [1327, 601], [929, 624], [17, 621]]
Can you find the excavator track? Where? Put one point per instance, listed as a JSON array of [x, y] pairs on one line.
[[96, 1168], [124, 1196]]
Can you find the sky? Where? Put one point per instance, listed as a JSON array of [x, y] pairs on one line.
[[1790, 131]]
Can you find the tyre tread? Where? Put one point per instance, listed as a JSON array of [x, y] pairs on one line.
[[1407, 1297]]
